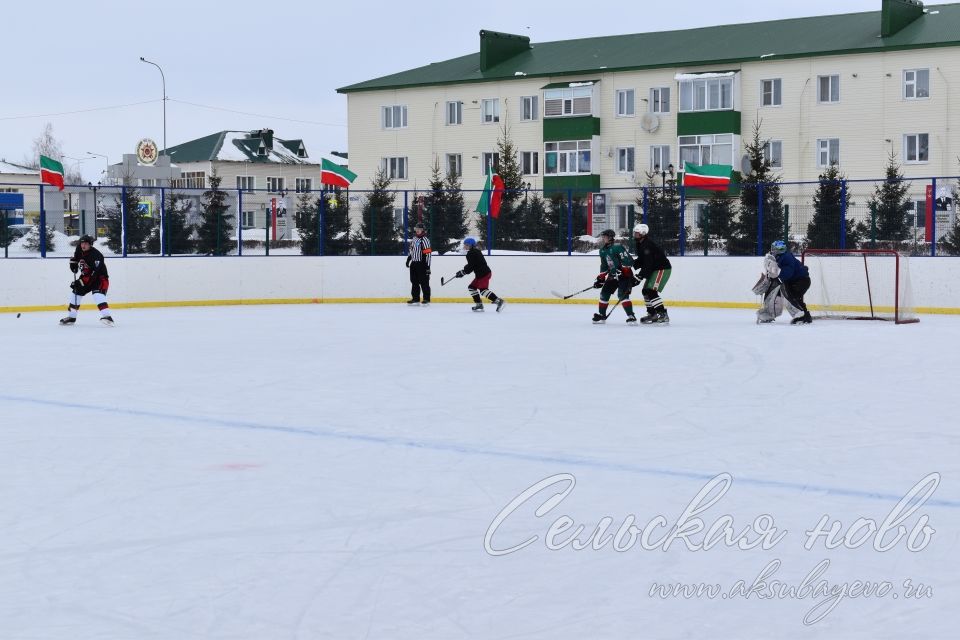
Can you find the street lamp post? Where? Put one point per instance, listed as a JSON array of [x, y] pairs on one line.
[[163, 80], [106, 172]]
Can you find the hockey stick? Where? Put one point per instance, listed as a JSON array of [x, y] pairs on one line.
[[446, 281], [563, 297], [610, 310]]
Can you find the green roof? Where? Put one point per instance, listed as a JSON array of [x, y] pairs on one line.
[[236, 146], [737, 43]]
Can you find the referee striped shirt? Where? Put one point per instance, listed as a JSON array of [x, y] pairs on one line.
[[420, 249]]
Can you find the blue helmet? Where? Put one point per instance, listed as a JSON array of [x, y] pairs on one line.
[[778, 247], [470, 242]]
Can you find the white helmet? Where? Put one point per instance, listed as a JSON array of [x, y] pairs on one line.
[[641, 228]]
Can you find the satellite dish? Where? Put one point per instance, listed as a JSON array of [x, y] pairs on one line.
[[745, 167], [649, 122]]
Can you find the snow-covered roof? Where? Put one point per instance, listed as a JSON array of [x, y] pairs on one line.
[[8, 167]]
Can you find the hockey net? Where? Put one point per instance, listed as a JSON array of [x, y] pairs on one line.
[[860, 284]]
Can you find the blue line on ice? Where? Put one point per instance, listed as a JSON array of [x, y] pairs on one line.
[[478, 451]]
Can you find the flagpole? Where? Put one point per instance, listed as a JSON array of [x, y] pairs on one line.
[[490, 210]]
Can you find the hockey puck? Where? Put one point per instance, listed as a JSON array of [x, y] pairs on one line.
[[18, 315]]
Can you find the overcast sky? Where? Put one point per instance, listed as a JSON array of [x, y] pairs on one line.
[[280, 61]]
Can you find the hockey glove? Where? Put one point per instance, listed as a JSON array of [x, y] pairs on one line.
[[459, 274], [598, 283], [636, 280], [78, 288], [74, 267], [408, 262]]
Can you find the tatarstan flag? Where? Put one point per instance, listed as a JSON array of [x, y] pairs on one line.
[[51, 172], [492, 195], [712, 177], [336, 175]]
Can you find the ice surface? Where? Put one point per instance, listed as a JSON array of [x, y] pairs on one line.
[[331, 471]]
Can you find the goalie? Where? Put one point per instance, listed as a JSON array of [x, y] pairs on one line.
[[782, 285]]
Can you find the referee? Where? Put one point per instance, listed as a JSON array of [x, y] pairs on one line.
[[418, 261]]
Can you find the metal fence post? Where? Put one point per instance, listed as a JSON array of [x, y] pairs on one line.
[[240, 222], [123, 220], [759, 218], [646, 205], [843, 214], [873, 226], [786, 224], [705, 228], [321, 222], [163, 226], [683, 228], [266, 226], [490, 227], [43, 226], [569, 222], [933, 219], [406, 218]]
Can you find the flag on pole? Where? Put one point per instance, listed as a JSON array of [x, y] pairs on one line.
[[712, 177], [492, 195], [335, 174], [51, 172]]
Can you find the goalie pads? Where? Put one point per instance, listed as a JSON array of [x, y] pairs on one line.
[[772, 305], [770, 267], [762, 285]]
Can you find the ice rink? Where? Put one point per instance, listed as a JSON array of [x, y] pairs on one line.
[[358, 471]]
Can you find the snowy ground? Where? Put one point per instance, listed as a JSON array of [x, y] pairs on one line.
[[332, 471]]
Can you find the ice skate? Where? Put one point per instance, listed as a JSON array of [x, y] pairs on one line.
[[599, 318], [631, 319], [661, 318], [68, 320], [413, 303], [477, 307], [650, 317], [804, 319], [107, 320], [500, 304]]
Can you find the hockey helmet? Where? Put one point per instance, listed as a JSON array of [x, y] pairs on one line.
[[778, 247], [608, 233], [85, 238], [470, 242], [419, 227], [641, 228]]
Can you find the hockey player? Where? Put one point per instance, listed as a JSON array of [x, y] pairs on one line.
[[616, 274], [89, 263], [653, 272], [478, 287], [795, 279], [418, 262]]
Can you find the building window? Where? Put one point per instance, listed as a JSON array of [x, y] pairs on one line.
[[828, 152], [190, 180], [303, 185], [575, 101], [246, 183], [660, 100], [828, 88], [773, 154], [771, 92], [248, 219], [491, 160], [530, 163], [394, 117], [710, 149], [531, 108], [625, 160], [275, 185], [454, 164], [625, 103], [706, 94], [659, 158], [394, 168], [623, 214], [454, 112], [916, 84], [567, 158], [398, 217], [490, 110], [916, 147]]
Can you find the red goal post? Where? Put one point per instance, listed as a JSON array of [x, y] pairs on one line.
[[860, 284]]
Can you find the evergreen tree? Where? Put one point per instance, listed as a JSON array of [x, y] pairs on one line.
[[564, 213], [663, 213], [446, 219], [890, 205], [539, 222], [716, 222], [743, 231], [379, 234], [308, 209], [31, 241], [213, 234], [829, 203], [138, 226], [178, 234], [336, 223], [508, 226]]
